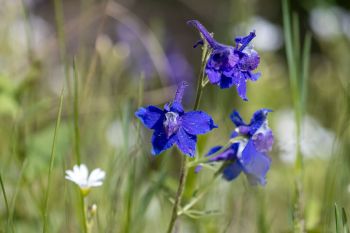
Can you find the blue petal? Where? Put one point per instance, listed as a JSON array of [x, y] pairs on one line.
[[213, 150], [186, 142], [150, 116], [232, 171], [254, 164], [177, 107], [242, 87], [227, 155], [236, 118], [195, 23], [244, 41], [234, 134], [250, 60], [226, 82], [180, 91], [174, 107], [254, 76], [263, 141], [258, 119], [197, 122], [161, 142], [198, 169], [213, 75], [199, 42], [210, 152]]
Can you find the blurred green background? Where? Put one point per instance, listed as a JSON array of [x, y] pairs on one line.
[[130, 53]]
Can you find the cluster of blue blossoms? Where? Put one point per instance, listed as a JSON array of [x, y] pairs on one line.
[[248, 152], [227, 65]]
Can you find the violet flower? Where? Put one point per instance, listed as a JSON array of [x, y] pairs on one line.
[[228, 65], [175, 126], [249, 154]]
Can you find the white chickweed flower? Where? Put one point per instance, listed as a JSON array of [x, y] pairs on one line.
[[80, 176]]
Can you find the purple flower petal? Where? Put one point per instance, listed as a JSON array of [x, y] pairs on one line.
[[180, 92], [254, 163], [199, 42], [197, 122], [198, 169], [195, 23], [242, 42], [232, 171], [186, 142], [161, 142], [213, 75], [254, 76], [258, 119], [177, 107], [226, 82], [150, 116], [250, 60], [263, 140], [213, 150], [234, 134], [237, 119], [242, 88], [227, 155]]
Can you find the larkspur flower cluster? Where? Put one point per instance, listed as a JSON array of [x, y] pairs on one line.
[[227, 65], [250, 143], [249, 154]]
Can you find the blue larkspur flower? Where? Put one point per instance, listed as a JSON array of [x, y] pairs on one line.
[[175, 126], [250, 154], [228, 65]]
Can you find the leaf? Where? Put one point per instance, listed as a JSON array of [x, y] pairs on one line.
[[345, 221]]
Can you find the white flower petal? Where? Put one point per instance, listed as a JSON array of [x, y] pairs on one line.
[[97, 174], [95, 184], [70, 173], [84, 172], [73, 180], [76, 169]]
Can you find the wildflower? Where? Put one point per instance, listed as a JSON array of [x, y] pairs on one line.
[[228, 65], [249, 154], [80, 176], [175, 126]]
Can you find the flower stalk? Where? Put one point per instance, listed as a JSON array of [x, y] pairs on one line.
[[184, 168], [84, 209]]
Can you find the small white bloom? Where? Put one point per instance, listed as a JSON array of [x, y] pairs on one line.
[[80, 176]]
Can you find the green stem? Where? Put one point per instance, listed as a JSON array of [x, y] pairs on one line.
[[199, 89], [52, 159], [76, 113], [199, 196], [84, 209], [59, 20], [184, 167], [181, 187], [5, 198]]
